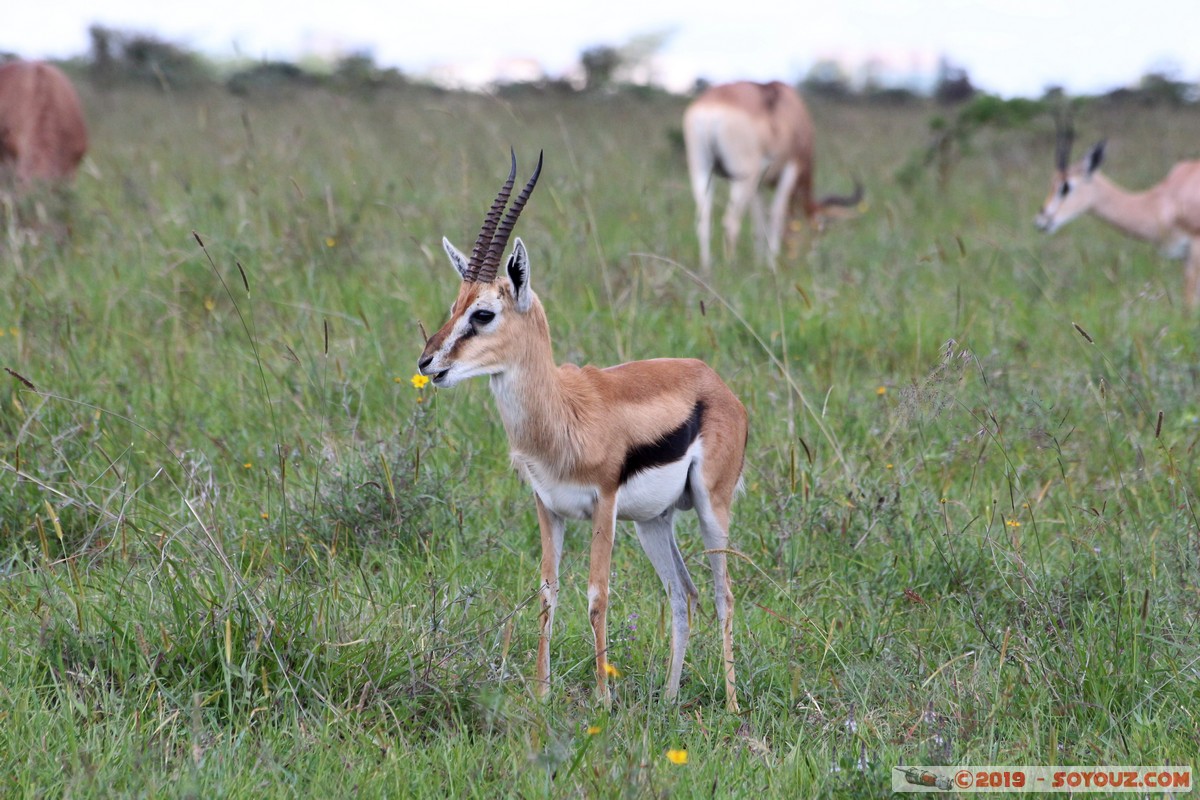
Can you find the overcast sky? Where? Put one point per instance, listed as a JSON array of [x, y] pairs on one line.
[[1013, 47]]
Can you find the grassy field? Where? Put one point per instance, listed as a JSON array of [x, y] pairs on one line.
[[242, 556]]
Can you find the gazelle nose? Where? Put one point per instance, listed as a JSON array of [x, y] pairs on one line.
[[424, 363]]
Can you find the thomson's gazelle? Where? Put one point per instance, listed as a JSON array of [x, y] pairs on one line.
[[636, 441], [754, 134], [1167, 213]]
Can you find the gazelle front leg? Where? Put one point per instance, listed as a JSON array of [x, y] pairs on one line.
[[604, 520], [552, 527]]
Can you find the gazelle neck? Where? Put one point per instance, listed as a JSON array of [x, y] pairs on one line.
[[529, 394], [1138, 214]]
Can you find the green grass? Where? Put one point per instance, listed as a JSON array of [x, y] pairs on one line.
[[244, 557]]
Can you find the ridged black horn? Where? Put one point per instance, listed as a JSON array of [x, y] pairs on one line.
[[490, 264], [1066, 137], [480, 250]]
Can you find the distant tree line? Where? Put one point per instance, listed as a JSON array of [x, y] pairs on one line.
[[130, 57], [952, 86]]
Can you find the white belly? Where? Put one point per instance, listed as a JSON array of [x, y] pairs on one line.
[[644, 496], [649, 493]]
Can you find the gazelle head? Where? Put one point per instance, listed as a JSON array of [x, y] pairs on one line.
[[494, 312], [1072, 191]]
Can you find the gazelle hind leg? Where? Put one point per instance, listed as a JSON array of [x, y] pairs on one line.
[[1191, 276], [741, 196], [714, 516], [779, 208], [552, 528], [762, 233], [700, 173], [658, 540]]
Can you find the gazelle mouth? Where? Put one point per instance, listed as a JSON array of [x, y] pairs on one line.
[[439, 377]]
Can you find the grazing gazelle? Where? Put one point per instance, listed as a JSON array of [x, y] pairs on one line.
[[1167, 213], [635, 441], [752, 134], [42, 131]]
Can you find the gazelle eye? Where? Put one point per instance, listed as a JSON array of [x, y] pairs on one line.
[[1065, 190], [483, 316]]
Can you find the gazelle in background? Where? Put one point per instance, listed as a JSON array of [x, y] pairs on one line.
[[1167, 213], [752, 134], [636, 441]]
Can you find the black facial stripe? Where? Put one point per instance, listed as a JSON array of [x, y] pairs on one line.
[[473, 325], [458, 343], [667, 449]]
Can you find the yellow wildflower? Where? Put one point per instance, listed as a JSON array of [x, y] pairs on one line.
[[420, 381], [881, 391], [209, 304], [330, 241], [1012, 523], [677, 756], [593, 730], [247, 465], [611, 671]]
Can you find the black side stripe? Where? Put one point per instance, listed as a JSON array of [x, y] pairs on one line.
[[668, 448]]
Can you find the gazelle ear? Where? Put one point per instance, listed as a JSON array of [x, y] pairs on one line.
[[517, 270], [456, 258], [1095, 156]]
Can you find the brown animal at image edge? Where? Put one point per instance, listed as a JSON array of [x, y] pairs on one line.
[[43, 136]]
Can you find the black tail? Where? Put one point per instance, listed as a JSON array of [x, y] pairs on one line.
[[843, 201]]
